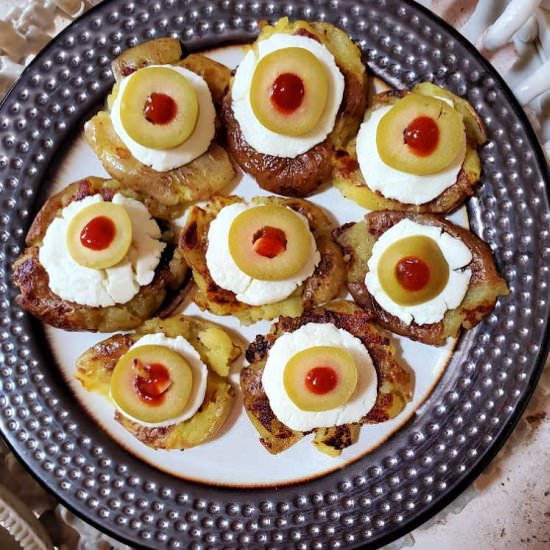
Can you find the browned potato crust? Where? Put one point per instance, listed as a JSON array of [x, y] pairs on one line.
[[178, 188], [357, 240], [348, 178], [37, 298], [395, 381], [202, 426], [324, 285], [154, 52], [95, 367], [302, 175]]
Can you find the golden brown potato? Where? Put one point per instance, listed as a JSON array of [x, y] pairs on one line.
[[178, 188], [215, 346], [201, 427], [31, 278], [347, 176], [332, 441], [395, 380], [324, 285], [155, 52], [215, 74], [302, 175], [274, 435], [357, 240], [95, 367]]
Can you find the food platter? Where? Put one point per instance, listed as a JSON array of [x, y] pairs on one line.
[[452, 434]]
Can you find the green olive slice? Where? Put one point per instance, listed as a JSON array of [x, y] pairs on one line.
[[269, 243], [159, 108], [413, 270], [152, 383], [420, 135], [99, 235], [320, 378], [289, 91]]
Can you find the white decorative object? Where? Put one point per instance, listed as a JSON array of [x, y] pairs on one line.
[[515, 15], [9, 73], [17, 519], [26, 26], [534, 85]]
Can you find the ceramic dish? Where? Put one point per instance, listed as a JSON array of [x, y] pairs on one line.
[[297, 499]]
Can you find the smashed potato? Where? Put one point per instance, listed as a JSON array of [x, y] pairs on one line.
[[32, 279], [357, 241], [302, 175], [173, 189], [348, 178], [95, 367], [324, 285], [395, 381]]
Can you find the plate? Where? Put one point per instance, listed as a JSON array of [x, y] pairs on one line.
[[451, 435], [238, 437]]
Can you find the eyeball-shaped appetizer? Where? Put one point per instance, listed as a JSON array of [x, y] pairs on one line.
[[329, 371], [415, 151], [96, 259], [421, 276], [299, 92], [167, 381], [261, 259], [159, 136]]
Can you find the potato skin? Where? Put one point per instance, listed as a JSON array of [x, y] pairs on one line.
[[154, 52], [32, 279], [173, 189], [348, 178], [357, 240], [168, 51], [395, 380], [324, 285], [202, 426], [302, 175], [95, 367]]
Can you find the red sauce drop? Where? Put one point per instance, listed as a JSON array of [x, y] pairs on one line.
[[287, 93], [321, 380], [422, 136], [412, 273], [151, 381], [160, 109], [98, 233], [269, 242]]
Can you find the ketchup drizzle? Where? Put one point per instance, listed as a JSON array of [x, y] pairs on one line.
[[269, 242], [412, 273], [151, 381], [287, 93], [422, 136], [98, 233], [160, 109], [321, 380]]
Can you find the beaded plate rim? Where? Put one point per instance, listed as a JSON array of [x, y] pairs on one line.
[[319, 500]]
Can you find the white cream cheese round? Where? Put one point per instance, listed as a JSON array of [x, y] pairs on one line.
[[229, 276], [199, 373], [455, 252], [194, 146], [395, 184], [255, 133], [318, 334], [102, 287]]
